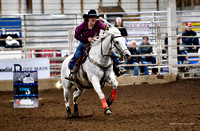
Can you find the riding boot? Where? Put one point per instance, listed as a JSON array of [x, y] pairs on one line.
[[122, 71], [71, 76], [72, 72], [118, 70]]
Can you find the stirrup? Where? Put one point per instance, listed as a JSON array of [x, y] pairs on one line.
[[70, 77], [122, 71]]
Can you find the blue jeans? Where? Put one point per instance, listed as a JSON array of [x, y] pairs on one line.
[[182, 58], [79, 52], [135, 68], [190, 41], [145, 68], [151, 59]]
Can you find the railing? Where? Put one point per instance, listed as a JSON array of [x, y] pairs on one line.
[[56, 38]]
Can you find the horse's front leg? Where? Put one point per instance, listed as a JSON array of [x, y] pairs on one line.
[[112, 80], [77, 93], [97, 88], [66, 92]]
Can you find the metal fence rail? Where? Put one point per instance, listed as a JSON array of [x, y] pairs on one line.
[[53, 36]]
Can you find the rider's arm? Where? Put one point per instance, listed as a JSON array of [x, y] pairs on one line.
[[101, 25], [79, 33]]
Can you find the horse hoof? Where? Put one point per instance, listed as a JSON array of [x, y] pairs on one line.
[[69, 114], [109, 102], [107, 111]]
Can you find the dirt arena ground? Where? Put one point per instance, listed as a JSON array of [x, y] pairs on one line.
[[172, 106]]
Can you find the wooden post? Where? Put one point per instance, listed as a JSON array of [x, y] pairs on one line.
[[42, 4], [183, 5], [138, 5], [82, 7], [192, 4], [62, 6], [157, 5], [100, 4], [29, 6], [20, 6], [119, 3]]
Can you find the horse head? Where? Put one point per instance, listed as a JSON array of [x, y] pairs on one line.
[[119, 43]]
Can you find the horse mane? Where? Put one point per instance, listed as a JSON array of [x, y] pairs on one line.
[[112, 30]]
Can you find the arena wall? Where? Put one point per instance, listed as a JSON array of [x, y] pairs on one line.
[[123, 81]]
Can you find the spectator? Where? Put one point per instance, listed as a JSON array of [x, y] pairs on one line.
[[189, 40], [136, 60], [147, 51], [181, 51], [119, 24]]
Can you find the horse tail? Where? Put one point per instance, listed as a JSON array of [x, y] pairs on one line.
[[58, 84]]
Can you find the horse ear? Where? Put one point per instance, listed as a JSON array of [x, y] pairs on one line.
[[111, 26], [101, 33], [112, 37]]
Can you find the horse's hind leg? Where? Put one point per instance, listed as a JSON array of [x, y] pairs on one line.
[[67, 92], [112, 97], [78, 92]]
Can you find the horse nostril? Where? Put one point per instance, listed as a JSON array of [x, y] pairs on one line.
[[127, 56]]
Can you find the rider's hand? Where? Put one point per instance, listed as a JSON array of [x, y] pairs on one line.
[[90, 39], [106, 27], [148, 55]]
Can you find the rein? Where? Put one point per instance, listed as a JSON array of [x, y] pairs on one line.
[[111, 41], [105, 68], [102, 39]]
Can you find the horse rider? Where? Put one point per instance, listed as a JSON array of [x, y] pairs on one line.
[[85, 33]]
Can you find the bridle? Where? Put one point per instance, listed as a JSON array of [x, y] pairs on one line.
[[112, 38], [105, 68], [110, 49]]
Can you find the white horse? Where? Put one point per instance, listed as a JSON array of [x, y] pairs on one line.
[[96, 70]]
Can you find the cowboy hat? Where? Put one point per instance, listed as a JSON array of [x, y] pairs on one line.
[[91, 13]]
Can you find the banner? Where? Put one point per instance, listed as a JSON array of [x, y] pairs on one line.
[[138, 30], [7, 67]]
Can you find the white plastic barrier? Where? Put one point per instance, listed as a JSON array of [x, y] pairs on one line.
[[38, 64]]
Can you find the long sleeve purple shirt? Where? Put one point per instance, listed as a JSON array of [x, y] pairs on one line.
[[82, 32]]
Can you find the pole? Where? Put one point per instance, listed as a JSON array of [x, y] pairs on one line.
[[172, 42]]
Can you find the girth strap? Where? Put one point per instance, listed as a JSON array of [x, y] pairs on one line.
[[104, 68]]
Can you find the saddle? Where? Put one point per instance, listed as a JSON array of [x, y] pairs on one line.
[[83, 57]]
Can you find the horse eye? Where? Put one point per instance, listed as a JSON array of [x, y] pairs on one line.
[[116, 42]]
